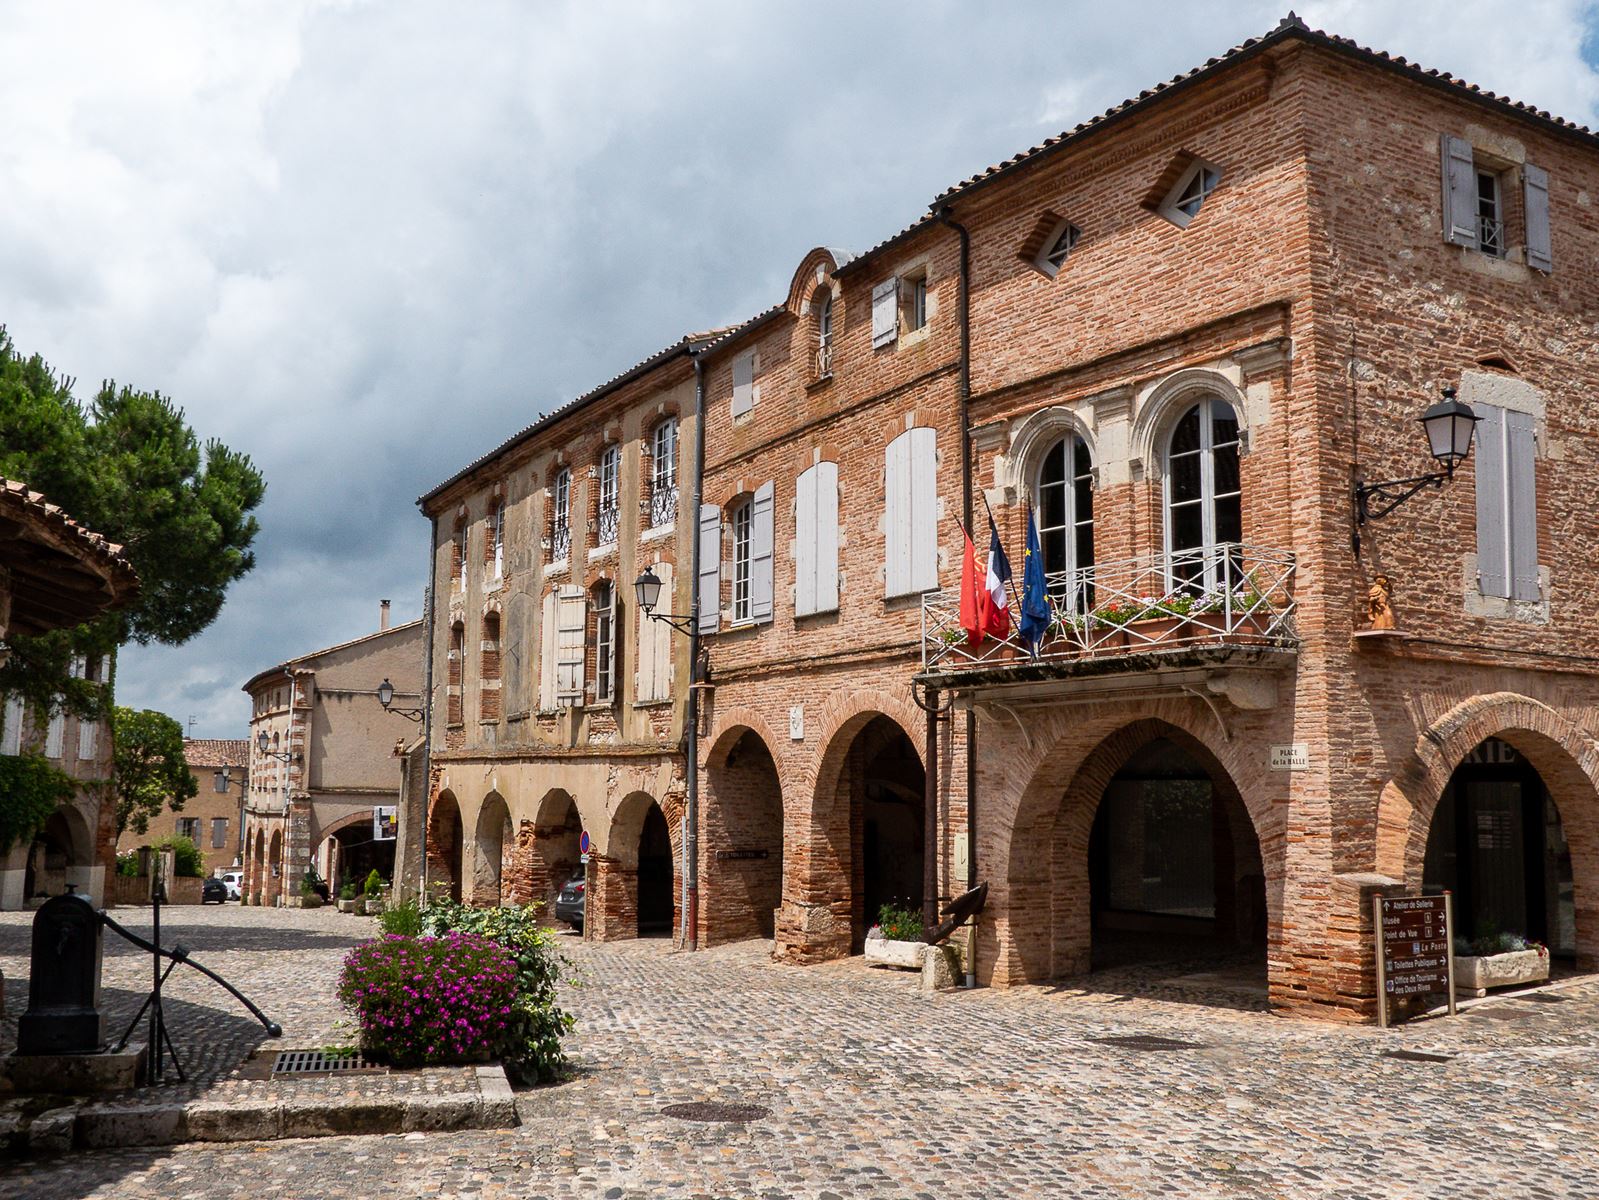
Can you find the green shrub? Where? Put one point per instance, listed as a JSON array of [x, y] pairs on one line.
[[347, 892], [900, 924], [374, 883], [186, 860], [128, 864], [30, 790], [404, 918], [532, 1052]]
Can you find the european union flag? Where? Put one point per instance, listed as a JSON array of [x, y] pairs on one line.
[[1034, 622]]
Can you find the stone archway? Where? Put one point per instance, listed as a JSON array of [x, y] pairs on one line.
[[59, 854], [492, 846], [632, 886], [444, 847], [550, 849], [275, 880], [741, 882]]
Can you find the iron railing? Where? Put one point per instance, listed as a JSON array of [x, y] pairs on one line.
[[561, 543], [608, 522], [1231, 593], [663, 505], [824, 360], [1491, 236]]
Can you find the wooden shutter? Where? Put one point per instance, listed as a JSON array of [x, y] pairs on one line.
[[805, 547], [55, 732], [710, 580], [816, 540], [87, 737], [571, 622], [11, 734], [885, 313], [743, 383], [924, 509], [1493, 533], [1521, 479], [1535, 190], [1460, 192], [513, 665], [547, 653], [653, 678], [761, 543], [897, 517]]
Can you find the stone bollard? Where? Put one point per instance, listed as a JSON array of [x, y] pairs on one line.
[[941, 968]]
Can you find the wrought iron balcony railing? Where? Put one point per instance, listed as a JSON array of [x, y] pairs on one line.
[[608, 521], [824, 360], [561, 544], [663, 505], [1227, 594]]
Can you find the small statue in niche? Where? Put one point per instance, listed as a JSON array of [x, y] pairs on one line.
[[1379, 603]]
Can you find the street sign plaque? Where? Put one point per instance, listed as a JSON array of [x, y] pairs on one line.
[[1415, 954]]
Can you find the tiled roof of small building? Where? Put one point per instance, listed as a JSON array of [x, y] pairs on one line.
[[216, 752], [51, 556], [1290, 27]]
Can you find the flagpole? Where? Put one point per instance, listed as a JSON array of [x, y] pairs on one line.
[[1015, 596]]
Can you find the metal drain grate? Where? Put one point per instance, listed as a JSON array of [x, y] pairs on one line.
[[319, 1062], [710, 1110], [1417, 1056], [1144, 1041]]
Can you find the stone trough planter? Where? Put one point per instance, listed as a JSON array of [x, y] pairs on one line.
[[1475, 975], [887, 953], [347, 906]]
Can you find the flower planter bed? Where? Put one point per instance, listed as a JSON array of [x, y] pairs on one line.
[[886, 952], [1475, 974]]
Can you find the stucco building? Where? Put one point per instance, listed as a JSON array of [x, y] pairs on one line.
[[1181, 334], [54, 574], [213, 818], [328, 758]]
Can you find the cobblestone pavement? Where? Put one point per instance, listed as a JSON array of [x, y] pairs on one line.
[[874, 1090]]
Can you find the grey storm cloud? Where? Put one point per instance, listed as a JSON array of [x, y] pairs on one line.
[[364, 242]]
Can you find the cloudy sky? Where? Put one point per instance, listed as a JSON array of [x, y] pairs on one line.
[[365, 241]]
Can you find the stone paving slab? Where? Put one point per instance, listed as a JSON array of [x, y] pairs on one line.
[[876, 1090]]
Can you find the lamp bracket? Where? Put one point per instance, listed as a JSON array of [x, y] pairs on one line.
[[683, 624], [1389, 494]]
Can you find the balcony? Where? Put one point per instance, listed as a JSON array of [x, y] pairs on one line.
[[1182, 616]]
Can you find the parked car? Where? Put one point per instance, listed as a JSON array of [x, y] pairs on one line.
[[213, 891], [569, 903], [234, 880]]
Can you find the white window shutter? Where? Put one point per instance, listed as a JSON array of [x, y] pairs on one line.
[[743, 383], [55, 732], [924, 509], [897, 517], [1521, 475], [1493, 532], [885, 313], [11, 734], [805, 543], [761, 543], [88, 737], [654, 680], [826, 536], [1535, 190], [547, 653], [571, 623], [710, 580], [1460, 192]]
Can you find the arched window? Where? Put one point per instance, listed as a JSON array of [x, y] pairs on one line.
[[742, 610], [663, 474], [823, 307], [1203, 498], [1065, 498], [610, 473]]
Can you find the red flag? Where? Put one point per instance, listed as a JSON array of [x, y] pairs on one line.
[[971, 594]]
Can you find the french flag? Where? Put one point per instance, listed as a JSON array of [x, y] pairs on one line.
[[994, 603]]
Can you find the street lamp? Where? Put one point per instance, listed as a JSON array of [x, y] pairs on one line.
[[1450, 425], [386, 699], [264, 747], [647, 591]]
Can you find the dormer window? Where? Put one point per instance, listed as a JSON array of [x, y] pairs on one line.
[[1193, 188], [1057, 248]]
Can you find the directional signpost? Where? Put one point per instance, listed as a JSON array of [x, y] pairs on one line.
[[1415, 949]]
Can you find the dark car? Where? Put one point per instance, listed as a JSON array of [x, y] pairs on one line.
[[213, 890], [569, 904]]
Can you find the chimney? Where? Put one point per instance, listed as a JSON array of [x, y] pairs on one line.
[[383, 615]]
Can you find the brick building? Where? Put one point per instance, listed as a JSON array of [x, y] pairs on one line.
[[557, 706], [54, 574], [330, 757], [213, 818], [1182, 332]]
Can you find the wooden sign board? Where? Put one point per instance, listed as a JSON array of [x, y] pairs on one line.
[[1415, 949]]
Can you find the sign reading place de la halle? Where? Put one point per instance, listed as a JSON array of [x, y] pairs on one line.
[[1415, 954]]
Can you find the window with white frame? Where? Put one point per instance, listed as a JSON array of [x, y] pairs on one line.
[[561, 523], [497, 533], [1057, 248], [822, 305], [604, 642], [1490, 216], [1065, 499], [189, 827], [1474, 203], [460, 555], [1188, 196], [1507, 504], [742, 522], [663, 474], [910, 520], [913, 300], [1204, 497], [610, 474]]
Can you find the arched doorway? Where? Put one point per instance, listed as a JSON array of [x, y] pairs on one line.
[[275, 868], [655, 875], [350, 852], [491, 849], [444, 847], [56, 857], [556, 852], [631, 886], [1496, 841], [1175, 870], [743, 883]]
